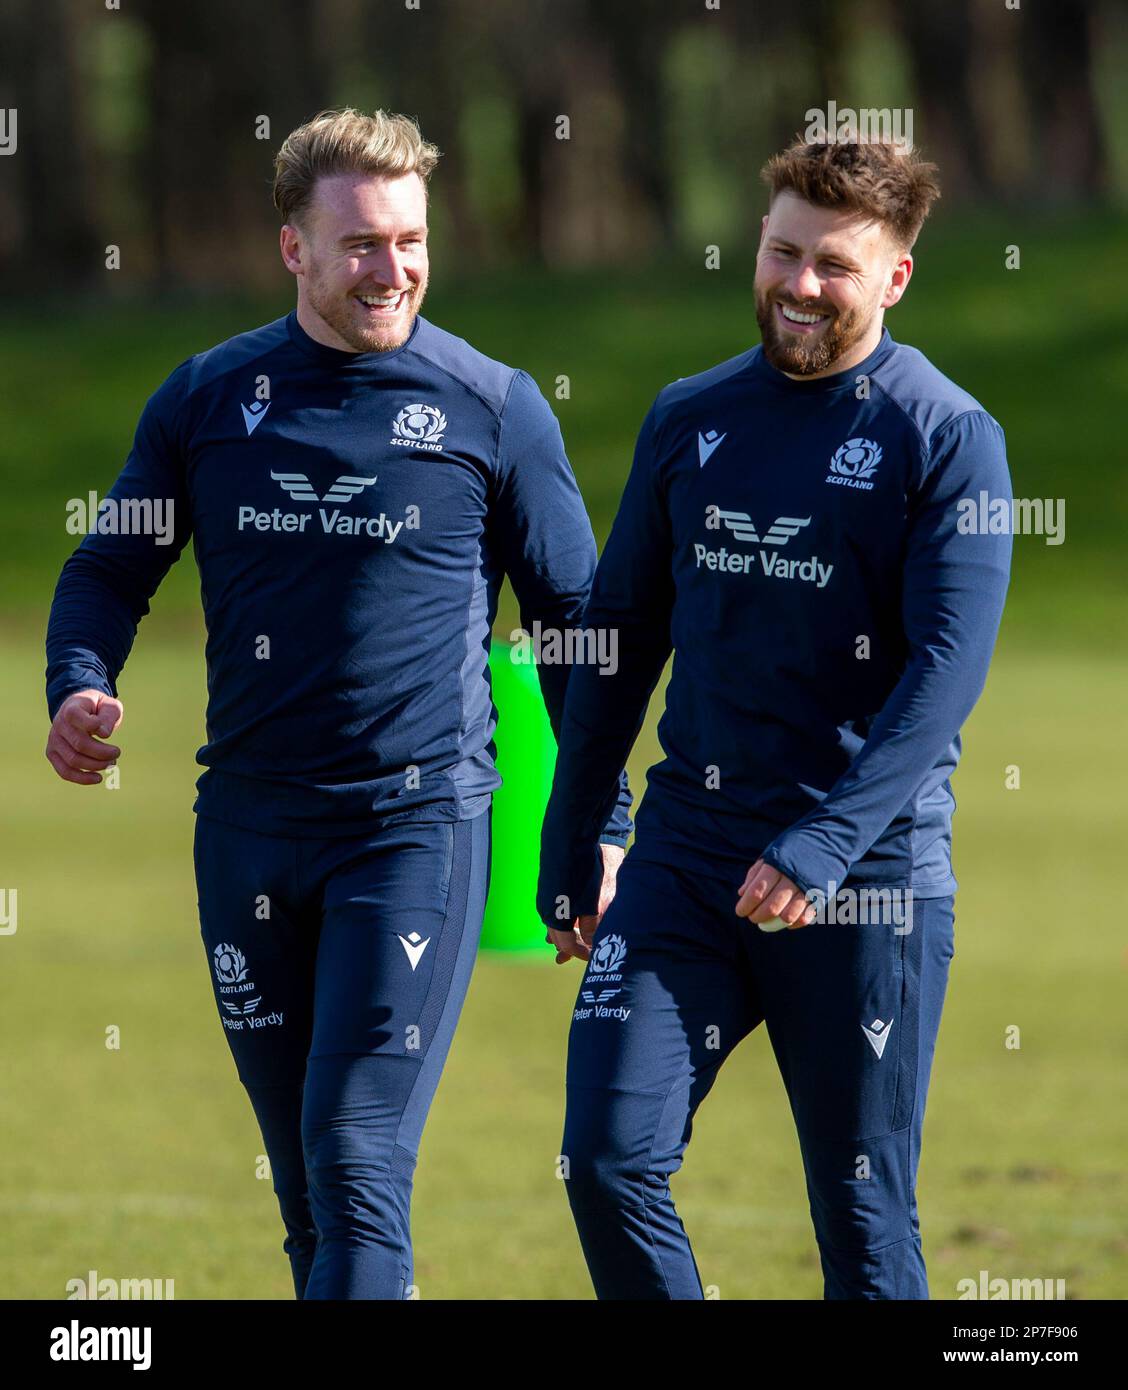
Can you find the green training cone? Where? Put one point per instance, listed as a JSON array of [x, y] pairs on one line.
[[526, 757]]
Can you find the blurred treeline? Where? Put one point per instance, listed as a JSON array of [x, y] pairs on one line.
[[141, 122]]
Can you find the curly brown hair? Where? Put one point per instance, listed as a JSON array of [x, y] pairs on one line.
[[884, 180]]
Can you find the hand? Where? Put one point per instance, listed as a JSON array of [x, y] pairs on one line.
[[576, 940], [73, 747], [766, 893]]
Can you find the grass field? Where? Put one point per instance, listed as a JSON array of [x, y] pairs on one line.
[[140, 1162]]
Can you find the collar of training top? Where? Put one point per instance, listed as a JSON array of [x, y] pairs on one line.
[[838, 381], [339, 357]]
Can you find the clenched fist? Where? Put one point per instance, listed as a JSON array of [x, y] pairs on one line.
[[74, 749], [576, 941]]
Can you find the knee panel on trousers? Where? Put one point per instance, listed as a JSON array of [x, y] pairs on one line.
[[861, 1191], [621, 1147]]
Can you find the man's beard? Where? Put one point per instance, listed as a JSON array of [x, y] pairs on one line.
[[336, 310], [802, 355]]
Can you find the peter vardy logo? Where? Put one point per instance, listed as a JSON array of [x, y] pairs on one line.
[[707, 443], [333, 520], [772, 563], [230, 967], [298, 486], [778, 533], [604, 966], [253, 413], [419, 427], [854, 463]]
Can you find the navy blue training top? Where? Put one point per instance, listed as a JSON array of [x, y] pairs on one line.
[[823, 560], [352, 516]]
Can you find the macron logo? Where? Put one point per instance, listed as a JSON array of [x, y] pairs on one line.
[[253, 413], [414, 945], [878, 1034], [707, 443]]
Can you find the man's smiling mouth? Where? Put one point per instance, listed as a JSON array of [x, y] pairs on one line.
[[799, 320], [383, 305]]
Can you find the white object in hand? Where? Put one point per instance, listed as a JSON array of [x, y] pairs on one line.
[[772, 924]]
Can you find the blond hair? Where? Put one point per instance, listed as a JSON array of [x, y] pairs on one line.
[[347, 142]]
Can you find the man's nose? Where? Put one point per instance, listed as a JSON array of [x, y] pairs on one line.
[[389, 270], [805, 283]]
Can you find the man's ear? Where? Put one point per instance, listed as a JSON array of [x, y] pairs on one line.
[[899, 277], [290, 248], [763, 235]]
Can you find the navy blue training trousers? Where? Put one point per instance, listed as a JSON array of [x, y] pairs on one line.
[[676, 980], [340, 967]]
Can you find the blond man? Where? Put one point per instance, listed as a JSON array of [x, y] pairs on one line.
[[356, 483]]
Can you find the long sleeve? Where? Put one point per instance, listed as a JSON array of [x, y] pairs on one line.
[[955, 583], [546, 544], [631, 599], [105, 586]]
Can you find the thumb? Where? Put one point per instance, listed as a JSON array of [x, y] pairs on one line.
[[110, 712], [588, 926]]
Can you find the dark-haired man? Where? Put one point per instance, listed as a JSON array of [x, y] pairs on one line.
[[790, 531]]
